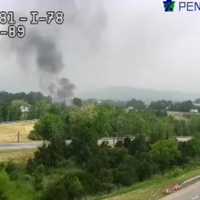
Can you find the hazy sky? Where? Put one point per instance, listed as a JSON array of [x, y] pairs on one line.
[[111, 43]]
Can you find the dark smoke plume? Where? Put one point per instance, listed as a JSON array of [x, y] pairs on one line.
[[49, 62], [48, 58], [80, 37]]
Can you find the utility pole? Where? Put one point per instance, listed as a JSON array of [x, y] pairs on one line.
[[18, 137]]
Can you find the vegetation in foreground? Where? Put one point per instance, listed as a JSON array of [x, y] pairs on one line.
[[83, 168]]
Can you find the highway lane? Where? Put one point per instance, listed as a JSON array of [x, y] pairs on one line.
[[20, 146], [191, 192]]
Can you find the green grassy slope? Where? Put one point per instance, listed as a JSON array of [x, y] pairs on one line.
[[152, 189]]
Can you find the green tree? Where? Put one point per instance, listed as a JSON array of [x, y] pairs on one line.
[[67, 188], [184, 106], [139, 145], [77, 102], [145, 166], [136, 104], [161, 105], [190, 150], [16, 110], [50, 127], [39, 109], [165, 154]]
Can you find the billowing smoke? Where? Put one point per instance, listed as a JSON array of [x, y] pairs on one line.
[[56, 54], [48, 58], [49, 62], [61, 90]]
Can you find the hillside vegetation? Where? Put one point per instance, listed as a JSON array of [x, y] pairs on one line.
[[153, 189], [84, 169]]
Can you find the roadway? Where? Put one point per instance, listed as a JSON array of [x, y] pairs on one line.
[[191, 192], [20, 146]]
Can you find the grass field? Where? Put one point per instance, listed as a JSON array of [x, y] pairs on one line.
[[153, 189], [18, 156], [9, 132]]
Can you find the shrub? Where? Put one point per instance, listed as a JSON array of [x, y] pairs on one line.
[[13, 170], [67, 187], [165, 154]]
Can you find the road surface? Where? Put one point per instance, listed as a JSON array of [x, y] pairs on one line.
[[191, 192], [20, 146]]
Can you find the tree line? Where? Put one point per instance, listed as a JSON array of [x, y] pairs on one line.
[[22, 106], [83, 168], [36, 105]]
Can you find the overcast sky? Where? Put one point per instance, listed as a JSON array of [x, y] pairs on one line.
[[111, 43]]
